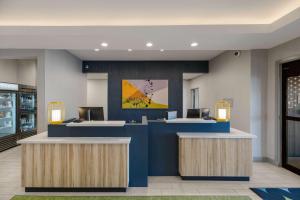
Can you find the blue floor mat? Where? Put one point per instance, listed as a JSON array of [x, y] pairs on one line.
[[278, 193]]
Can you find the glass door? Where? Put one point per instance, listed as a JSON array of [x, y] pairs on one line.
[[27, 112], [7, 113], [291, 116], [27, 101]]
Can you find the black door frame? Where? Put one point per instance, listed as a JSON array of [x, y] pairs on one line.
[[288, 69]]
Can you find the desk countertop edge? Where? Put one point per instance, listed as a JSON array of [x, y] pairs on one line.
[[43, 138]]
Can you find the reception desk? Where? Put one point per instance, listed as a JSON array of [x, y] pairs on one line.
[[215, 156], [75, 164], [154, 149], [154, 145]]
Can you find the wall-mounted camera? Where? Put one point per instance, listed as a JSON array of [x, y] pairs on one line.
[[237, 53]]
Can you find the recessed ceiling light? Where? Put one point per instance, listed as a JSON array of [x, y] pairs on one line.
[[129, 49], [104, 44], [96, 49], [194, 44], [162, 50], [149, 44]]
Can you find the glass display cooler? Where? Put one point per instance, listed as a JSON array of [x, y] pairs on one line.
[[27, 111], [8, 107], [18, 112]]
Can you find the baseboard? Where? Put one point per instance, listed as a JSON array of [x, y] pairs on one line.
[[264, 159], [259, 159]]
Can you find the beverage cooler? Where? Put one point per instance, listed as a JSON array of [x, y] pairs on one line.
[[8, 108], [18, 113], [27, 111]]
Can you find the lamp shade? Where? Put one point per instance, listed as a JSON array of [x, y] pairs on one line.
[[222, 111], [56, 112]]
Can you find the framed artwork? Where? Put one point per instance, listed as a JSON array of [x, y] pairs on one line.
[[144, 94]]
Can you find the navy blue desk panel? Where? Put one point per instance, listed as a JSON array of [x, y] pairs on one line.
[[163, 144], [138, 148]]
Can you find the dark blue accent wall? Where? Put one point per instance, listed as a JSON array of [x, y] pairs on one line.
[[119, 70]]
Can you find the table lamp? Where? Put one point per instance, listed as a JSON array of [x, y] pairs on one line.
[[56, 112], [222, 111]]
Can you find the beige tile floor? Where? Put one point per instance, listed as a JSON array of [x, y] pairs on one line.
[[265, 175]]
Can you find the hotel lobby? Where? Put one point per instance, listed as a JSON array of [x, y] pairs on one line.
[[149, 100]]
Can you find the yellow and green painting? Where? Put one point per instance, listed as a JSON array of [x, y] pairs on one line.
[[144, 94]]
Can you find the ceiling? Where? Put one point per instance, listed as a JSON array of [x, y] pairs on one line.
[[145, 55], [172, 25], [142, 12]]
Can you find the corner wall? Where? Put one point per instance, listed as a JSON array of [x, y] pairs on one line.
[[258, 111], [58, 78], [228, 77], [40, 79], [64, 81], [244, 80]]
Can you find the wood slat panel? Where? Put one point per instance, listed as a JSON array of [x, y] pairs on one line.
[[75, 165], [215, 157]]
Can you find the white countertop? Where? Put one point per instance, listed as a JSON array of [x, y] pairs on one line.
[[234, 133], [189, 120], [96, 123], [43, 138]]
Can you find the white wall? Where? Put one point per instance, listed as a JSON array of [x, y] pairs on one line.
[[186, 97], [18, 71], [64, 81], [228, 77], [27, 72], [97, 94], [259, 73], [287, 51], [8, 71]]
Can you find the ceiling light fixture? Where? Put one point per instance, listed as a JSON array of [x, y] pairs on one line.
[[194, 44], [149, 44], [104, 44], [129, 50], [96, 49], [162, 50]]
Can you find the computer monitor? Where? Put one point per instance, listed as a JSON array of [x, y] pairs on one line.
[[204, 113], [193, 113], [91, 113], [171, 115]]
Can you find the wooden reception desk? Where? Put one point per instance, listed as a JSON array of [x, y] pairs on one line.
[[75, 163], [215, 156]]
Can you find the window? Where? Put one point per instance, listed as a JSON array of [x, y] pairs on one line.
[[195, 98]]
